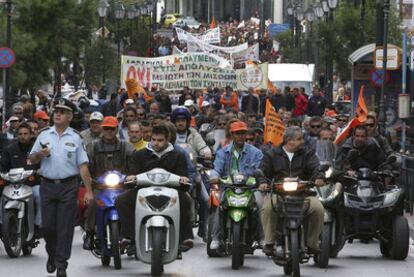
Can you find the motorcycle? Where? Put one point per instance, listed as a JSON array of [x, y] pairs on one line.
[[18, 213], [331, 197], [157, 218], [375, 211], [238, 207], [107, 238], [291, 202]]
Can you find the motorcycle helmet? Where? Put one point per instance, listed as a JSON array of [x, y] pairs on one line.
[[180, 113]]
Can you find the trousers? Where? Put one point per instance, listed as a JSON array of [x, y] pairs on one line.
[[59, 210], [314, 215]]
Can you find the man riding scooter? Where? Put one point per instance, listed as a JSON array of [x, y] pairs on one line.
[[236, 157]]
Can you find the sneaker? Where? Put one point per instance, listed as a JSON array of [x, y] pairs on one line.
[[268, 249], [214, 245], [88, 241], [131, 249]]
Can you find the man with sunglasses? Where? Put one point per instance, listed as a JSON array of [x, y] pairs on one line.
[[372, 126], [62, 156], [105, 154], [315, 127]]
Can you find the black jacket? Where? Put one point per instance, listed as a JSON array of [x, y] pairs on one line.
[[316, 106], [145, 160], [370, 156], [278, 101], [276, 164], [15, 156], [254, 104]]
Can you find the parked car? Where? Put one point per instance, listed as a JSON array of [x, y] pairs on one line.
[[169, 19], [189, 22]]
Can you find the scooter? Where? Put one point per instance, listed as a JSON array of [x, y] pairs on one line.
[[291, 201], [375, 211], [238, 207], [157, 218], [18, 213], [331, 197], [107, 238]]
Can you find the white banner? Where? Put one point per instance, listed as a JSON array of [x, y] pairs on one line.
[[209, 37], [193, 70], [251, 53]]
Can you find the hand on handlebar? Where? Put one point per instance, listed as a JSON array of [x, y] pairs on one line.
[[130, 178], [184, 180], [320, 182], [263, 187], [351, 173]]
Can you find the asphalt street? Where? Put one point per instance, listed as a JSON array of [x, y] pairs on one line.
[[355, 260]]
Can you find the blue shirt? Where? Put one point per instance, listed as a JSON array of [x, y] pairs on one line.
[[249, 160], [67, 153]]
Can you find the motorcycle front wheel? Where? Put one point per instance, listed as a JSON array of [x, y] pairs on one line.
[[295, 259], [323, 257], [11, 239], [237, 253], [156, 253], [115, 248]]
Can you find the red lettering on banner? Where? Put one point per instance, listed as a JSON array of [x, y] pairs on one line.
[[131, 71]]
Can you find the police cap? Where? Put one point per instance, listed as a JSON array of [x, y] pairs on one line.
[[65, 104]]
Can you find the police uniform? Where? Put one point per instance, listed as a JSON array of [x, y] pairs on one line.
[[59, 187]]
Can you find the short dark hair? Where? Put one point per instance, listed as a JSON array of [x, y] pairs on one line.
[[145, 123], [161, 130], [24, 125], [31, 121], [131, 109], [361, 127]]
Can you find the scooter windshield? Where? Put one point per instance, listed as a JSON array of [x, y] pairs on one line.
[[325, 150]]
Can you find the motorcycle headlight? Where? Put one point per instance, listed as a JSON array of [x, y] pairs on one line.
[[328, 173], [158, 177], [391, 198], [290, 186], [112, 180], [239, 202]]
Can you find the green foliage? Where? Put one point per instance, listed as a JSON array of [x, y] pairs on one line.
[[49, 36], [344, 35]]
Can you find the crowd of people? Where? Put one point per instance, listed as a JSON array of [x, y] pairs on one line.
[[133, 133]]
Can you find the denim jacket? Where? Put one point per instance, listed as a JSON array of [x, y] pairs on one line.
[[249, 160]]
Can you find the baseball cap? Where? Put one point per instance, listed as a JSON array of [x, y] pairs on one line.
[[188, 103], [13, 118], [41, 115], [96, 116], [129, 102], [110, 121], [238, 126]]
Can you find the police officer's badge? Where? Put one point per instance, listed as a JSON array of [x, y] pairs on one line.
[[61, 102]]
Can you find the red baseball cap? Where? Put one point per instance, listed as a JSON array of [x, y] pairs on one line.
[[238, 126], [110, 121], [41, 115]]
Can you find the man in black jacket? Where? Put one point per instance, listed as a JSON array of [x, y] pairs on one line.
[[16, 156], [317, 103], [250, 103], [158, 154], [291, 160]]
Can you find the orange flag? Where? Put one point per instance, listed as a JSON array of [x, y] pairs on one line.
[[361, 110], [270, 86], [360, 117], [133, 87], [213, 24], [274, 127]]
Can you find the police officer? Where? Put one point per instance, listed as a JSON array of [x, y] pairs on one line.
[[62, 156]]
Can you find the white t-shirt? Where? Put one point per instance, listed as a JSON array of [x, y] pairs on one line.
[[289, 154], [181, 138]]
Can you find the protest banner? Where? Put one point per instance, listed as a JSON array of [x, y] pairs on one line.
[[193, 70], [254, 76], [274, 127], [251, 53], [209, 37]]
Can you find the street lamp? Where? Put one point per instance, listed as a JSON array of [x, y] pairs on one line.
[[299, 14], [103, 11], [332, 4], [309, 14], [325, 6], [318, 10], [290, 9], [119, 15]]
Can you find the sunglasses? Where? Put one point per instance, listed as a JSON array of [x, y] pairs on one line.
[[315, 126], [140, 114], [370, 125], [250, 139], [18, 113], [61, 111], [331, 139], [109, 129]]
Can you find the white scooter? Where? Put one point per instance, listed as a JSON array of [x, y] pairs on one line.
[[18, 213], [157, 218]]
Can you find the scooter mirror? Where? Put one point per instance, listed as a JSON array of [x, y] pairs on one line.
[[210, 142]]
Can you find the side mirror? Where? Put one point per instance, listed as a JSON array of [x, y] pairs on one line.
[[352, 154], [258, 173], [323, 167], [210, 142], [391, 159]]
